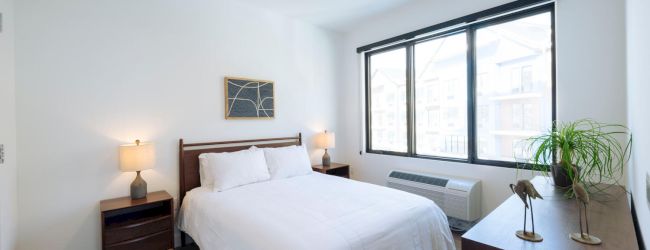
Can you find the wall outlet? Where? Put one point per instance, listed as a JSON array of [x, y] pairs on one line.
[[2, 154]]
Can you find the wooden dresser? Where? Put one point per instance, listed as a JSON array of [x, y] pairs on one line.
[[610, 219], [146, 223]]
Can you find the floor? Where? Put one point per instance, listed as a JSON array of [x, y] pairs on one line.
[[457, 241], [195, 247], [189, 247]]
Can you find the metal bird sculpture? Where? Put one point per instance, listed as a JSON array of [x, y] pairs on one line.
[[582, 197], [526, 191]]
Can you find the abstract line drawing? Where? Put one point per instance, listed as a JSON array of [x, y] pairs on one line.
[[249, 98]]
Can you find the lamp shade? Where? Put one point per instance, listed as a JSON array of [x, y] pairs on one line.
[[136, 157], [326, 140]]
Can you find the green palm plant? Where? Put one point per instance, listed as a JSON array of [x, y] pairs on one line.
[[600, 151]]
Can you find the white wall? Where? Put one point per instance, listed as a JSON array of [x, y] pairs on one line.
[[591, 60], [590, 81], [96, 74], [8, 173], [638, 38]]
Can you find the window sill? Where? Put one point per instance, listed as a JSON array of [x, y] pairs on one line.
[[504, 164]]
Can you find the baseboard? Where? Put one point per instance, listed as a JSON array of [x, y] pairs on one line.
[[637, 230]]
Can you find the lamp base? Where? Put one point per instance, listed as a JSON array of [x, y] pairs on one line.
[[326, 159], [138, 188]]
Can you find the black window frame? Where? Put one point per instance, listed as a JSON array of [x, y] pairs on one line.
[[504, 13]]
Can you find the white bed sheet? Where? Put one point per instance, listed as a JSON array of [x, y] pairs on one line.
[[314, 211]]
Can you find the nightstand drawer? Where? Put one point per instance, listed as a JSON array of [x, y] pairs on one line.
[[342, 172], [158, 241], [137, 229], [143, 224]]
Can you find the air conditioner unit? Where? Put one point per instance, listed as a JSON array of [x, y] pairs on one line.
[[459, 198]]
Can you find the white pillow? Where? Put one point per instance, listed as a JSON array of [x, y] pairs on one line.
[[204, 171], [287, 162], [206, 179], [222, 171]]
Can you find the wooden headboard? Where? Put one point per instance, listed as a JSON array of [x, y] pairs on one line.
[[189, 156]]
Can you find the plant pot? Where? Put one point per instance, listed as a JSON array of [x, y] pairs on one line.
[[560, 176]]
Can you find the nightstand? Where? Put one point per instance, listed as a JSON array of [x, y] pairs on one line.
[[146, 223], [337, 169]]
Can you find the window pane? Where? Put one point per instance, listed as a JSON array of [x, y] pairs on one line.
[[388, 101], [514, 91], [441, 97]]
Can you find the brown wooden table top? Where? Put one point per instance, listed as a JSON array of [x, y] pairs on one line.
[[332, 165], [556, 216], [124, 202]]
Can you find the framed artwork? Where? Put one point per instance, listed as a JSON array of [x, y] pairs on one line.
[[249, 98]]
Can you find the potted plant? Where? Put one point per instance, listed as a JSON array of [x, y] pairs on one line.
[[598, 150]]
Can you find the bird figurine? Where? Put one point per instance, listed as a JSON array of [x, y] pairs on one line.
[[526, 191], [582, 197]]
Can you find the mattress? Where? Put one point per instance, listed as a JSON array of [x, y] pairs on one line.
[[314, 211]]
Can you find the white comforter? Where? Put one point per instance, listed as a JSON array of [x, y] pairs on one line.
[[314, 211]]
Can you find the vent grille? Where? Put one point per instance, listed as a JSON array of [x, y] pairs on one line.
[[419, 178]]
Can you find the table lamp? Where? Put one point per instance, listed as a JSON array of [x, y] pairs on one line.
[[135, 158], [326, 141]]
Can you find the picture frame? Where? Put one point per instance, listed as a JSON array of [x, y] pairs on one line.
[[247, 98]]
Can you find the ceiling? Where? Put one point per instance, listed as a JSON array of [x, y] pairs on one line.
[[337, 15]]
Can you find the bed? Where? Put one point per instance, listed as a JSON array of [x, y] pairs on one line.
[[313, 211]]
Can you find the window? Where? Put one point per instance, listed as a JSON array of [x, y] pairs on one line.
[[482, 116], [472, 93], [481, 80], [514, 47], [441, 60], [388, 108], [527, 78]]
